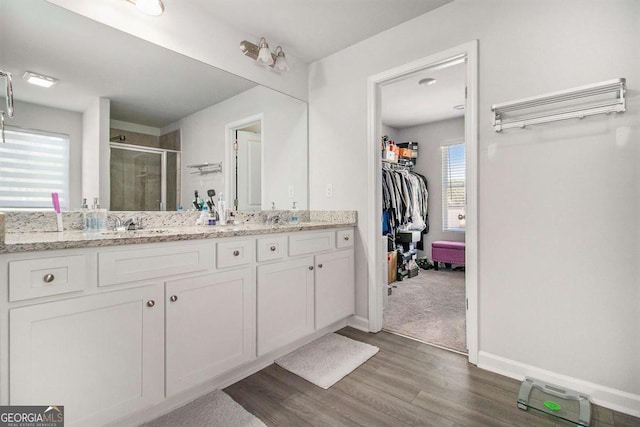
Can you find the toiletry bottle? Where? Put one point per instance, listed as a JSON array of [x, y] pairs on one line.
[[85, 215], [222, 210], [203, 219], [294, 214], [100, 217]]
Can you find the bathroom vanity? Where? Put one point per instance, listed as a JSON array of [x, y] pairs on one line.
[[120, 332]]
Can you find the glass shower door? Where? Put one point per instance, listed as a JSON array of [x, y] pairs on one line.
[[136, 179]]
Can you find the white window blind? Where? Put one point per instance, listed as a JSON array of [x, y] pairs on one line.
[[32, 166], [454, 198]]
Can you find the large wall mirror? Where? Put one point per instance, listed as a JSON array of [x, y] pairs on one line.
[[145, 127]]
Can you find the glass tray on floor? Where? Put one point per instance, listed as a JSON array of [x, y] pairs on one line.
[[555, 401]]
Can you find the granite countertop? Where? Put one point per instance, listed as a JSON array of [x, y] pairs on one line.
[[50, 240]]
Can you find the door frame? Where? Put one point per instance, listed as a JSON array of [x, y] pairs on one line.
[[468, 51], [229, 130]]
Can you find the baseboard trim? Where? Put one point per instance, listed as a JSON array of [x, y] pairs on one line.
[[601, 395], [358, 322]]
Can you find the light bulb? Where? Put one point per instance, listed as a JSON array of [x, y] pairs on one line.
[[281, 60], [150, 7], [264, 54]]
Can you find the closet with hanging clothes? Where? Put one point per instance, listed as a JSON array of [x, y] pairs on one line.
[[405, 211]]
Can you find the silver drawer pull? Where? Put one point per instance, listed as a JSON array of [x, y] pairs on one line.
[[48, 278], [311, 267], [319, 265], [173, 298], [151, 303], [346, 237], [272, 248], [236, 252]]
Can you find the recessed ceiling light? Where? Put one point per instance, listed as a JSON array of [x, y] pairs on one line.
[[39, 79], [427, 81], [458, 107]]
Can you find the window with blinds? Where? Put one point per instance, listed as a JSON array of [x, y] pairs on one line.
[[32, 166], [454, 197]]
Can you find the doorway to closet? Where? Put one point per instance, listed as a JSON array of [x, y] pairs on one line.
[[438, 307], [424, 205]]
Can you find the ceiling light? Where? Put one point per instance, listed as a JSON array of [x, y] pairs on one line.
[[264, 56], [150, 7], [39, 79], [458, 107], [427, 81]]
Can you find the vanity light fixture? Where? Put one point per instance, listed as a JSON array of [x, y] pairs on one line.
[[264, 56], [39, 79], [149, 7]]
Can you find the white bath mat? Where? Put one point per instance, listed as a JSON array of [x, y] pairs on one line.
[[328, 359], [215, 409]]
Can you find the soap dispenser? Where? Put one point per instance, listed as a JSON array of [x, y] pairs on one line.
[[294, 214], [222, 212]]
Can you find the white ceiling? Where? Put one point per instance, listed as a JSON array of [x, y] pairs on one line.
[[406, 103], [313, 29]]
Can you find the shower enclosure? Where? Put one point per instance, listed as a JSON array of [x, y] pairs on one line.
[[144, 179]]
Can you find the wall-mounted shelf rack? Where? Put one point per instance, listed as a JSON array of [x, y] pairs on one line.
[[205, 168], [598, 98]]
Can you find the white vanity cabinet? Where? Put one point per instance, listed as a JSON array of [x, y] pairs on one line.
[[334, 287], [115, 332], [210, 326], [98, 355], [306, 293], [285, 303]]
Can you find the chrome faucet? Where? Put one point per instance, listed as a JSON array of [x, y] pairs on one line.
[[117, 221], [133, 223]]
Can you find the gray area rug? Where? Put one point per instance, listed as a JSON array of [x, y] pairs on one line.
[[328, 359], [431, 308], [215, 409]]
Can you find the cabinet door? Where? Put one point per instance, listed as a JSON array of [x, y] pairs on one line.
[[101, 356], [335, 287], [210, 326], [285, 303]]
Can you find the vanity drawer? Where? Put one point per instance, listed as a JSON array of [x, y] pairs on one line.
[[306, 243], [132, 265], [234, 253], [33, 278], [271, 248], [344, 238]]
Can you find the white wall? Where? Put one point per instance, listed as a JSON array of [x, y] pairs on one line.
[[430, 137], [284, 145], [95, 152], [184, 29], [559, 204], [38, 117]]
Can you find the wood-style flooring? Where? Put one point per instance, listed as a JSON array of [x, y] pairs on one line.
[[406, 384]]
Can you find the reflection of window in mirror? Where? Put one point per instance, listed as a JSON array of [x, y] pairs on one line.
[[246, 176], [144, 170], [33, 165]]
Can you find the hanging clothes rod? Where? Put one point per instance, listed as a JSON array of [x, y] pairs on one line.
[[504, 116]]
